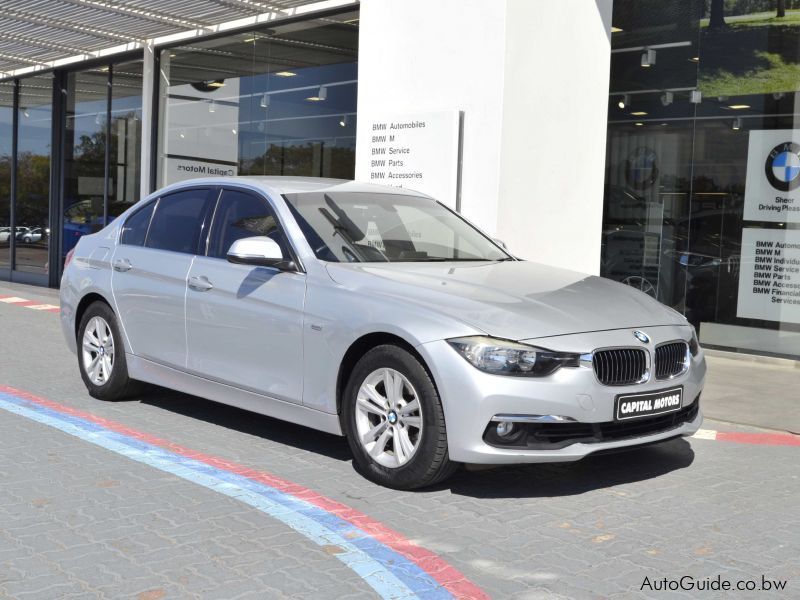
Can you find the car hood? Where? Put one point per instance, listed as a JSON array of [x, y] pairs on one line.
[[512, 300]]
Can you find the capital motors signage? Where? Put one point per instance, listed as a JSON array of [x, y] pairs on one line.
[[772, 188]]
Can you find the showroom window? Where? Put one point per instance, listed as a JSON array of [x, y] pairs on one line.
[[702, 198], [102, 147], [6, 135], [32, 202], [273, 101]]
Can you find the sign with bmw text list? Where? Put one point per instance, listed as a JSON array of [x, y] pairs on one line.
[[418, 151], [769, 276]]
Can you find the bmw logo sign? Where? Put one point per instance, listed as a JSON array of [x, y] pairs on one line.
[[641, 336], [783, 166]]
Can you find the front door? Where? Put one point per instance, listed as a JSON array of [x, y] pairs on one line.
[[243, 323], [150, 265]]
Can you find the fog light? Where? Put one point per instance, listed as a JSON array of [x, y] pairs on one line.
[[504, 428]]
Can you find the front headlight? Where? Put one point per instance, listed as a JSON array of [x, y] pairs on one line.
[[502, 357], [694, 343]]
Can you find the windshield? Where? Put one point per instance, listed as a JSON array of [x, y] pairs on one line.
[[385, 227]]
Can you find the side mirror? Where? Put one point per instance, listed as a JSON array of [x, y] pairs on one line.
[[259, 251], [500, 243]]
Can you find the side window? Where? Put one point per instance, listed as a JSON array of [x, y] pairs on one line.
[[135, 228], [177, 222], [240, 215]]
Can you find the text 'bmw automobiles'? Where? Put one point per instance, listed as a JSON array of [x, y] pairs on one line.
[[379, 314]]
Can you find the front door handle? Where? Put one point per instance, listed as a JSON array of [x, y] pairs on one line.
[[200, 284], [122, 265]]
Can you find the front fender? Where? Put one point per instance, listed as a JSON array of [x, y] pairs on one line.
[[336, 317]]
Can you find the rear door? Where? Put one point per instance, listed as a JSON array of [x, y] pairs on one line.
[[151, 262], [244, 324]]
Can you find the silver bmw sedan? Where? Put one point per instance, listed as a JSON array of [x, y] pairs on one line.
[[379, 314]]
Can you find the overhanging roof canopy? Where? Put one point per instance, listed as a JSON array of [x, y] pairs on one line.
[[43, 34]]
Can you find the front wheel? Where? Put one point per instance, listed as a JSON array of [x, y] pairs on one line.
[[394, 421], [101, 355]]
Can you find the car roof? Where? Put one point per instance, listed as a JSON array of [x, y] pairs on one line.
[[293, 185]]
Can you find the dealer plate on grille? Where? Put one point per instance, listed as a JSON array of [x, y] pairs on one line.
[[632, 406]]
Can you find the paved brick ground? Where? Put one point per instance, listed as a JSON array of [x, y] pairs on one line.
[[79, 521]]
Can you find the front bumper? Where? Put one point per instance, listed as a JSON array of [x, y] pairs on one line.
[[471, 398]]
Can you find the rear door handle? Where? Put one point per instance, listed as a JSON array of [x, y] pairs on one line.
[[122, 265], [200, 284]]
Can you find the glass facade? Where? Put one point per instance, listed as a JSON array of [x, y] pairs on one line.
[[34, 153], [702, 196], [272, 101], [6, 149], [278, 101], [102, 147]]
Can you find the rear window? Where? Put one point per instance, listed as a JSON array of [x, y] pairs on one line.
[[134, 231], [177, 221]]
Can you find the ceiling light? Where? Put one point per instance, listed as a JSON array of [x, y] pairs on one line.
[[639, 113], [737, 124], [181, 135], [265, 101], [624, 100], [649, 57], [343, 121], [285, 74], [615, 29], [695, 59], [639, 124], [216, 83], [250, 39], [667, 98], [738, 106], [233, 131], [212, 106], [322, 94]]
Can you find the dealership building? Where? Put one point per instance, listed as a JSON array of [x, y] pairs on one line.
[[653, 142]]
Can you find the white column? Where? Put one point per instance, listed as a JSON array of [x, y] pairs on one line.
[[148, 144], [553, 150], [418, 55], [532, 81]]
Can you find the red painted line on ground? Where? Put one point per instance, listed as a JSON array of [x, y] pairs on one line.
[[28, 303], [445, 574], [766, 439]]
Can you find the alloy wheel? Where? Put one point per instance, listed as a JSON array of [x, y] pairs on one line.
[[388, 417], [98, 351]]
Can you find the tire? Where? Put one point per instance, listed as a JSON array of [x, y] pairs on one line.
[[99, 318], [27, 240], [391, 424]]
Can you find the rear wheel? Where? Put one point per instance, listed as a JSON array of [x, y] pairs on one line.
[[101, 355], [394, 421]]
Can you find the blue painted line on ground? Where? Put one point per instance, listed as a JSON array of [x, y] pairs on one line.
[[390, 574]]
